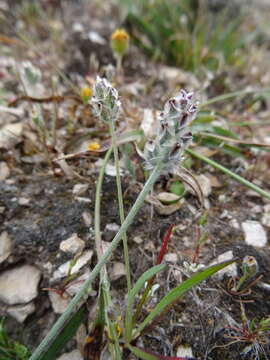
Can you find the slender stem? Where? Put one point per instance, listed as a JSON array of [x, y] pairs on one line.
[[233, 94], [55, 115], [120, 204], [97, 204], [104, 300], [119, 64], [75, 302], [236, 177]]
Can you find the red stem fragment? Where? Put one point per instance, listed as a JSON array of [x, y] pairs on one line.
[[164, 246]]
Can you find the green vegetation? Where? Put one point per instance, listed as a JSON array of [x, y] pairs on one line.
[[10, 349], [185, 34]]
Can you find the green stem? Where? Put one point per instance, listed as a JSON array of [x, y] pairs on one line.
[[119, 64], [75, 302], [236, 177], [104, 300], [233, 94], [120, 203], [97, 203]]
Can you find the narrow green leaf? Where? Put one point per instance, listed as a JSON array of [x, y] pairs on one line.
[[177, 292], [224, 132], [141, 354], [223, 97], [65, 335], [134, 291], [149, 355], [238, 178]]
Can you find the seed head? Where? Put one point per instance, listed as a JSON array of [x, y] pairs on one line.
[[173, 133], [105, 100]]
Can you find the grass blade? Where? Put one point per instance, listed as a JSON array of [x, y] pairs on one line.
[[149, 355], [177, 292], [141, 354], [134, 291], [236, 177], [233, 94], [65, 335]]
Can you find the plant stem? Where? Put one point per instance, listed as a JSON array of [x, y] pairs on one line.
[[233, 94], [75, 302], [119, 65], [236, 177], [97, 204], [120, 203], [104, 299]]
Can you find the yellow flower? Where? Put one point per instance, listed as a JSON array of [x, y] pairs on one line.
[[93, 146], [119, 41], [86, 93]]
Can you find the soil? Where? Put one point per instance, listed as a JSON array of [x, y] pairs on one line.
[[201, 318]]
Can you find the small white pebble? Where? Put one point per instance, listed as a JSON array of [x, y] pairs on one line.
[[254, 233]]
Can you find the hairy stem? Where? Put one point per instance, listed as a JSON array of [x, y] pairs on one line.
[[76, 301], [120, 204]]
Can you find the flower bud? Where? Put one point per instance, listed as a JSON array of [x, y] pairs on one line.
[[105, 100], [249, 266], [85, 93], [119, 42], [173, 134]]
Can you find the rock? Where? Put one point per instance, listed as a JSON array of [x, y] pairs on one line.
[[72, 245], [62, 271], [171, 257], [137, 239], [96, 38], [24, 201], [184, 351], [82, 199], [19, 285], [4, 171], [80, 189], [73, 355], [20, 312], [5, 246], [117, 271], [75, 286], [266, 215], [59, 303], [231, 270], [234, 223], [110, 231], [254, 233], [87, 218], [10, 135]]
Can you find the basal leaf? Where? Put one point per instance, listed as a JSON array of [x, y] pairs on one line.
[[181, 289], [134, 291]]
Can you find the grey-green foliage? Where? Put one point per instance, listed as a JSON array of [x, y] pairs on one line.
[[173, 132], [105, 100]]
